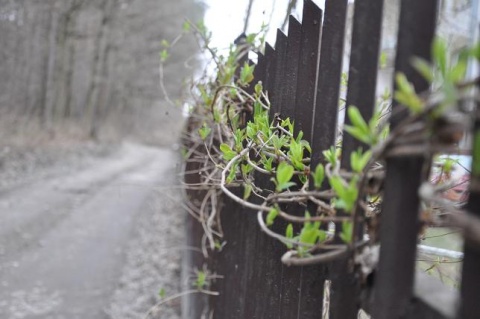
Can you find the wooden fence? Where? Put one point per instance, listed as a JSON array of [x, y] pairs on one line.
[[302, 76]]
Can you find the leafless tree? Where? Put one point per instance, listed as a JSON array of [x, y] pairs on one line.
[[91, 61]]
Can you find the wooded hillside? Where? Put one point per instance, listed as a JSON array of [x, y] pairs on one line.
[[92, 61]]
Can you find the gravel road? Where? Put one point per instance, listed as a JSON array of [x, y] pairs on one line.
[[94, 240]]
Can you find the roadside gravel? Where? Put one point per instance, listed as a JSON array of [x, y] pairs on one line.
[[153, 252], [153, 261]]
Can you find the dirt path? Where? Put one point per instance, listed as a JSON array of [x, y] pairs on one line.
[[95, 243]]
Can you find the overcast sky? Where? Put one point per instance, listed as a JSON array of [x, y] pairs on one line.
[[226, 18]]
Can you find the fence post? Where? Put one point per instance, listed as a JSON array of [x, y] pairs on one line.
[[307, 282], [330, 72], [362, 80], [308, 68], [289, 93], [470, 286], [400, 222], [281, 50], [261, 257]]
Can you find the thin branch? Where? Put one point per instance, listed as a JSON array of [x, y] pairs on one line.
[[291, 6], [290, 258], [178, 295], [281, 238], [247, 16]]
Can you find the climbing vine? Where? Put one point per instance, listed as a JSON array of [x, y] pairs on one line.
[[238, 149]]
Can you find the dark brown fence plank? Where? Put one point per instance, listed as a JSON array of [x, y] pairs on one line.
[[307, 282], [280, 80], [287, 101], [223, 262], [367, 22], [470, 286], [191, 259], [261, 253], [362, 75], [298, 299], [323, 129], [270, 67], [259, 72], [400, 224], [274, 300], [307, 67], [330, 71]]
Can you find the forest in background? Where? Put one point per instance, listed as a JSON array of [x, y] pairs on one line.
[[93, 66]]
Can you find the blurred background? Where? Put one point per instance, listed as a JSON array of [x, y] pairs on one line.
[[89, 68]]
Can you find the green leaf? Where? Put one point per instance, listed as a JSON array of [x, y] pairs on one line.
[[201, 280], [310, 232], [289, 231], [251, 38], [251, 130], [358, 160], [186, 26], [344, 79], [246, 73], [228, 153], [283, 176], [305, 145], [424, 68], [296, 154], [475, 51], [439, 54], [406, 94], [403, 84], [303, 179], [247, 191], [341, 204], [358, 134], [319, 176], [246, 169], [278, 141], [267, 164], [350, 197], [272, 214], [383, 59], [347, 194], [238, 136], [204, 131], [299, 136], [457, 73], [162, 293], [289, 235], [164, 43], [357, 119], [337, 185], [447, 164], [218, 245], [347, 230], [207, 99], [331, 155], [288, 125], [258, 88], [232, 174], [164, 55]]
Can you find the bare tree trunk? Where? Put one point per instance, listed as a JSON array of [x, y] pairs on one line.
[[65, 62], [47, 116], [46, 68], [99, 69]]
